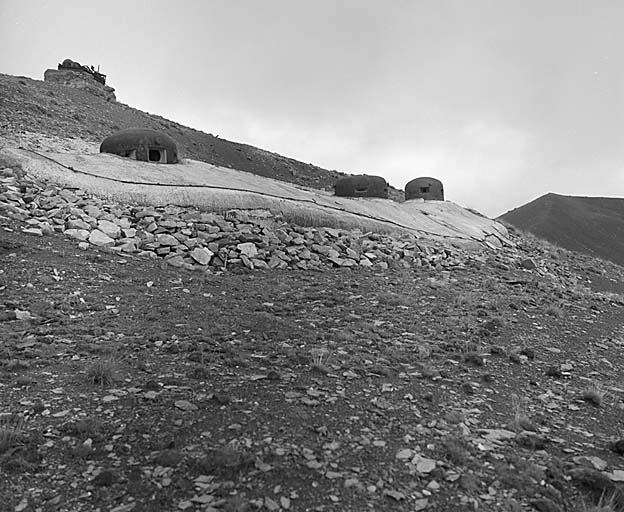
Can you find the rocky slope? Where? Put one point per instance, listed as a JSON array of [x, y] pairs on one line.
[[34, 106], [488, 382], [275, 367]]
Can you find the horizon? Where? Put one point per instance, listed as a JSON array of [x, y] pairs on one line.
[[504, 103]]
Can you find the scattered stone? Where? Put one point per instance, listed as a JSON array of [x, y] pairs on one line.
[[32, 231], [423, 464], [617, 475], [591, 461], [405, 454], [528, 264], [420, 504], [185, 405], [395, 495], [497, 434]]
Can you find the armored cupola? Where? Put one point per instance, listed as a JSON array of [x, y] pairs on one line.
[[140, 144], [362, 186], [424, 188]]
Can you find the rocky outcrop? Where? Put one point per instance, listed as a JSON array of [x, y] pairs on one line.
[[80, 80]]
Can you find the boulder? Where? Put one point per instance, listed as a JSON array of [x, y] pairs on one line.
[[78, 234], [77, 224], [109, 228], [202, 255], [248, 249], [100, 239], [167, 239]]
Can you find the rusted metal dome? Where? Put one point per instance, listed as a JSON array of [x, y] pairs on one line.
[[362, 186], [140, 144], [424, 188]]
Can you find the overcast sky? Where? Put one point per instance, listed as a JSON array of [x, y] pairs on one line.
[[503, 100]]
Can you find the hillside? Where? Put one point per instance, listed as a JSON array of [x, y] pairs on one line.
[[28, 105], [592, 225], [163, 358]]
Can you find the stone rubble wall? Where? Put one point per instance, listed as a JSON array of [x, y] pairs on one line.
[[80, 80], [192, 239]]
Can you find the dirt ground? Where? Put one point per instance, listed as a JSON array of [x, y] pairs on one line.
[[129, 386]]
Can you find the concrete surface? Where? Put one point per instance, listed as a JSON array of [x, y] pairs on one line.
[[212, 188]]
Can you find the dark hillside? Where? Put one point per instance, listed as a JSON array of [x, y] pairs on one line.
[[592, 225], [37, 106]]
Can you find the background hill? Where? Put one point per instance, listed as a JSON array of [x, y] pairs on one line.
[[592, 225], [37, 106]]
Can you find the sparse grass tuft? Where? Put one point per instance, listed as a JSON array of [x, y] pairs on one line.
[[456, 451], [554, 311], [83, 428], [393, 299], [15, 365], [345, 337], [11, 433], [594, 394], [473, 358], [607, 502], [102, 372], [320, 357], [521, 420]]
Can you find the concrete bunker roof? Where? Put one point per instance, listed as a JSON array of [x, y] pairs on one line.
[[362, 185], [426, 188], [142, 144]]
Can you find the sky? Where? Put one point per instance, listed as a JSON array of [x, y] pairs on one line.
[[502, 100]]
